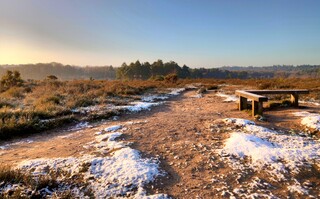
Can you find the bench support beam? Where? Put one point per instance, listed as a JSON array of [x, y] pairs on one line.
[[295, 100], [243, 103], [257, 108]]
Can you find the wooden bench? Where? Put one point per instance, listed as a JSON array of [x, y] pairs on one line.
[[257, 98]]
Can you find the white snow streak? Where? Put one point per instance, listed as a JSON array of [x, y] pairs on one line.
[[266, 147], [310, 120], [118, 175], [227, 98]]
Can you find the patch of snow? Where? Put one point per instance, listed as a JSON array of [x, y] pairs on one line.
[[309, 102], [136, 122], [192, 86], [152, 98], [121, 174], [106, 142], [227, 98], [108, 137], [113, 128], [296, 187], [238, 121], [80, 126], [138, 106], [310, 120], [176, 91], [197, 95], [4, 147], [266, 147], [7, 146], [303, 114]]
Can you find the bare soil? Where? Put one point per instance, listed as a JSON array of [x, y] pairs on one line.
[[181, 135]]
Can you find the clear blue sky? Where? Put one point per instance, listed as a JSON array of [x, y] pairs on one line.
[[192, 32]]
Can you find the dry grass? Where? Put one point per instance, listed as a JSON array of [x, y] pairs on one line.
[[10, 176], [24, 107]]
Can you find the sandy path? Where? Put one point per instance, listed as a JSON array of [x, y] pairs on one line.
[[178, 132]]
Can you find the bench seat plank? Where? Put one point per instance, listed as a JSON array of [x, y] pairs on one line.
[[294, 91], [252, 96]]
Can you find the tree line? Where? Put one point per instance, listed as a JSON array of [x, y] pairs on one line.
[[63, 72], [157, 70]]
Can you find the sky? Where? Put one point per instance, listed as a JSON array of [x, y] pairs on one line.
[[197, 33]]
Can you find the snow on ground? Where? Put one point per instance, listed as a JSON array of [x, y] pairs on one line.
[[7, 146], [176, 91], [152, 98], [138, 106], [113, 128], [268, 148], [199, 95], [310, 102], [310, 120], [238, 122], [121, 174], [227, 98], [79, 126]]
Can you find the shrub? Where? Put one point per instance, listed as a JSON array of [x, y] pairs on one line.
[[157, 78], [171, 78], [10, 175], [10, 79], [51, 77], [14, 92]]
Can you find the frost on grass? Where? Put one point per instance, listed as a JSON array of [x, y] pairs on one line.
[[113, 128], [138, 106], [9, 145], [153, 98], [309, 120], [122, 174], [280, 157], [310, 102], [176, 91], [199, 95], [268, 149], [238, 122], [79, 126], [227, 98]]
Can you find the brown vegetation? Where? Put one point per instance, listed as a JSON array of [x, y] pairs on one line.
[[27, 186], [33, 106]]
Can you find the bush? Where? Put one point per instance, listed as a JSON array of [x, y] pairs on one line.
[[10, 175], [171, 78], [157, 78], [14, 92], [10, 79]]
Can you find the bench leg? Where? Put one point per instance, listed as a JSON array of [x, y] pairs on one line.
[[257, 108], [295, 100], [243, 103]]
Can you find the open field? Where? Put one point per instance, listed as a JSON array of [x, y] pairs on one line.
[[158, 143]]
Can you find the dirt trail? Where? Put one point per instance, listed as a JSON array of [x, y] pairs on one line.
[[179, 132]]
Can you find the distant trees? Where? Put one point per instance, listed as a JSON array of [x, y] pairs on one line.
[[64, 72], [157, 71], [146, 70]]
